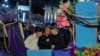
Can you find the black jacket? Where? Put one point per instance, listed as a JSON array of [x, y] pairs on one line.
[[45, 42], [67, 38], [66, 35], [58, 41]]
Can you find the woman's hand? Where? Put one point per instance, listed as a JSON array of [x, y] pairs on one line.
[[52, 46]]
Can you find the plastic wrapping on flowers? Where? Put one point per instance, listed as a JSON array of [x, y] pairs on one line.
[[89, 51]]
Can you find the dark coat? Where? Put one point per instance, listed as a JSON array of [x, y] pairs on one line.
[[45, 42], [58, 41], [66, 35]]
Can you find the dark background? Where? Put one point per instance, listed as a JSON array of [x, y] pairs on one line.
[[37, 5]]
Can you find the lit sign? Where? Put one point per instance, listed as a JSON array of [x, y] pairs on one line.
[[24, 8]]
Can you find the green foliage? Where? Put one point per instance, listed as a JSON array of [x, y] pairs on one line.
[[72, 7]]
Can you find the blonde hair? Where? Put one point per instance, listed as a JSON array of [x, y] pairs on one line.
[[59, 12]]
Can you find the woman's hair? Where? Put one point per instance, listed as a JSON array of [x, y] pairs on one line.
[[38, 29], [49, 26], [54, 28]]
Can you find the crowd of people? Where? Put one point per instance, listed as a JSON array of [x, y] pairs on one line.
[[48, 37]]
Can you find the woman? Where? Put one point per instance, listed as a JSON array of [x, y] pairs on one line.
[[45, 41]]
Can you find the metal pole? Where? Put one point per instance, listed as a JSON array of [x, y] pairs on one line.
[[99, 13], [18, 10], [30, 14]]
